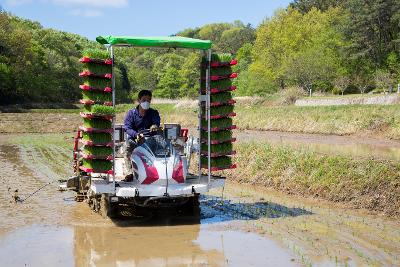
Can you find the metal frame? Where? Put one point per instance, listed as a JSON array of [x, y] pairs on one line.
[[207, 108]]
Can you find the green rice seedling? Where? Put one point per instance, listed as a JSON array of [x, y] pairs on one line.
[[220, 110], [97, 165], [99, 109], [219, 148], [97, 123], [222, 162], [97, 82], [221, 135], [97, 96], [222, 71], [97, 138], [221, 84], [221, 97], [99, 151], [221, 123], [96, 53], [97, 68], [221, 57]]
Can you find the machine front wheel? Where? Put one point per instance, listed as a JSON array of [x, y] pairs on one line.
[[107, 209]]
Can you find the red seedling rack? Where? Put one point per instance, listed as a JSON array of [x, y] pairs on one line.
[[95, 130], [96, 60], [94, 171], [89, 88], [91, 102], [95, 75], [91, 143], [96, 116], [216, 142]]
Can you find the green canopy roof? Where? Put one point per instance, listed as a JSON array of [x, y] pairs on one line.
[[174, 41]]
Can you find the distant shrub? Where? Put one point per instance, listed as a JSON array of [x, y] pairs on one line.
[[289, 95]]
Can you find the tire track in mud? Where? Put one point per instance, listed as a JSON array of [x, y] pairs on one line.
[[329, 235], [25, 168]]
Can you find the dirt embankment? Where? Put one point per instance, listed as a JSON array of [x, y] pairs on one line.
[[360, 100]]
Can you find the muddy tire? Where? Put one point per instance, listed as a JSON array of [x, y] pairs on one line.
[[107, 209]]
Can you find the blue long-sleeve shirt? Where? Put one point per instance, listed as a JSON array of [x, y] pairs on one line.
[[134, 122]]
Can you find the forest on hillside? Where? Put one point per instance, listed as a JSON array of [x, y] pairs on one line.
[[338, 46]]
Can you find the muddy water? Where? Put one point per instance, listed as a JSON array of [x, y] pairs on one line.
[[247, 226]]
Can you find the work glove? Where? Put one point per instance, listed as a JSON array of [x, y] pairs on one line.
[[139, 139], [153, 128]]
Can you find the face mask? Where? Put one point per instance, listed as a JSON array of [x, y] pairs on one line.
[[145, 105]]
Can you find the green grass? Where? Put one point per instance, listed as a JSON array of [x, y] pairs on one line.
[[220, 148], [97, 123], [221, 123], [97, 96], [224, 161], [99, 151], [99, 109], [96, 53], [98, 165], [97, 82], [367, 183], [98, 138], [221, 135], [96, 68]]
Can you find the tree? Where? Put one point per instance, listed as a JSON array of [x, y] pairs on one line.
[[233, 39], [342, 83], [383, 80], [305, 6], [169, 84], [300, 49], [373, 28]]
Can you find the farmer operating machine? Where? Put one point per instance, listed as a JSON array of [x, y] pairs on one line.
[[161, 163]]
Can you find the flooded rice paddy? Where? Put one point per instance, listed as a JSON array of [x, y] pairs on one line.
[[239, 226]]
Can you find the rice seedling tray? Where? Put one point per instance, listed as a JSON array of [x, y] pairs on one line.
[[97, 96], [91, 156], [107, 61], [221, 135], [89, 170], [96, 53], [220, 116], [222, 77], [220, 110], [217, 90], [95, 130], [89, 88], [217, 129], [92, 143], [218, 154], [92, 102], [217, 142], [217, 64], [95, 116], [97, 165], [223, 122], [225, 103], [214, 169], [95, 75]]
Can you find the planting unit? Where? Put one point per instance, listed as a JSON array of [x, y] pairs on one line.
[[217, 112], [98, 113], [161, 177]]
